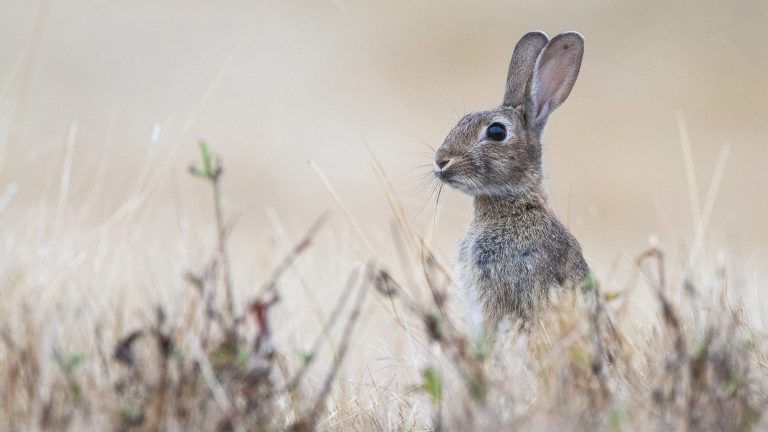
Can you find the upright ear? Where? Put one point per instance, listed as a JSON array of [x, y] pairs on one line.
[[521, 67], [553, 76]]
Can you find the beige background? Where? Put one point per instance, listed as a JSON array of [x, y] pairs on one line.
[[273, 85]]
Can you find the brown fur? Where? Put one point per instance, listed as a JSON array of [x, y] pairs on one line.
[[515, 252]]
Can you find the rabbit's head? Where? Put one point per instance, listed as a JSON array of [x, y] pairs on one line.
[[498, 152]]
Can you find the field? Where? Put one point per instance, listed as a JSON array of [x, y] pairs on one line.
[[223, 218]]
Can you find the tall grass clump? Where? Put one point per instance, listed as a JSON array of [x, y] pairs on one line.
[[695, 363]]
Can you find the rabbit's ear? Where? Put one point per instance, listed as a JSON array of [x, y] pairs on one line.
[[554, 75], [521, 66]]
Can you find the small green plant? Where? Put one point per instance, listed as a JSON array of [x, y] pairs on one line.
[[212, 171], [433, 384]]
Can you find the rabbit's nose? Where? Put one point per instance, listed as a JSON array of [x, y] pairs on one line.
[[443, 164]]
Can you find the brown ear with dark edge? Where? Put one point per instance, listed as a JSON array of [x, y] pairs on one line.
[[521, 66], [554, 75]]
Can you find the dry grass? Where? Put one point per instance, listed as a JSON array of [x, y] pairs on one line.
[[213, 353]]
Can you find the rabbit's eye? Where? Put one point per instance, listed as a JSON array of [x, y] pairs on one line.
[[496, 131]]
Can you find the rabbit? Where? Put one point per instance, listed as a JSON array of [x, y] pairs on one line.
[[515, 253]]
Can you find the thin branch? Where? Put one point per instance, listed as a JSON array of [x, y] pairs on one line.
[[311, 418], [668, 311], [209, 376], [344, 209], [690, 170], [270, 287], [352, 282], [221, 226], [709, 203]]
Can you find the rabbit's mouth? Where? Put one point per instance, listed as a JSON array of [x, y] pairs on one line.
[[454, 172], [459, 182], [446, 177], [475, 187]]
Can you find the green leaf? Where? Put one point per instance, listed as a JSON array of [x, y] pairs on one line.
[[205, 154], [132, 415], [178, 353], [481, 346], [223, 356], [591, 284], [479, 389], [243, 356], [617, 419], [701, 348], [579, 355], [76, 391], [734, 385], [73, 361], [306, 356], [433, 384]]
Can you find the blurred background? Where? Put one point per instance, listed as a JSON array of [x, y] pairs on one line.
[[102, 105]]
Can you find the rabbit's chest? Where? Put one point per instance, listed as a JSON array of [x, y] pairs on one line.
[[489, 254], [498, 257], [508, 267], [506, 257]]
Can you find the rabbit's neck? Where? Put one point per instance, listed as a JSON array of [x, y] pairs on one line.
[[499, 208]]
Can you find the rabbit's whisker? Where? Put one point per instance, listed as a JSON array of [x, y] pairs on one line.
[[435, 186], [422, 183], [420, 167], [434, 214]]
